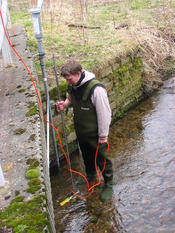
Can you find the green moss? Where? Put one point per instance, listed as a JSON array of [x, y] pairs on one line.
[[18, 199], [62, 88], [128, 71], [21, 90], [94, 219], [34, 182], [32, 173], [19, 131], [37, 66], [32, 111], [34, 185], [25, 216], [127, 85], [17, 192]]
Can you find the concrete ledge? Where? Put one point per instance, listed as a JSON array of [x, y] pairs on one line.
[[22, 147]]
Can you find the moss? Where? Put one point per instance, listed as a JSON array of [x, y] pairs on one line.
[[34, 185], [21, 90], [35, 182], [25, 216], [17, 192], [32, 173], [18, 199], [94, 219], [62, 88], [19, 131], [33, 163], [128, 71], [127, 85], [32, 111]]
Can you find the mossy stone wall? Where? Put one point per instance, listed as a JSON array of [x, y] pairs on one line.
[[123, 84]]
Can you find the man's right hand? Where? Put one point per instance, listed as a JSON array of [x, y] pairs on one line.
[[60, 105]]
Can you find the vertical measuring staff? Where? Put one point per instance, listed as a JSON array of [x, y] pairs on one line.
[[2, 181], [38, 34], [62, 119]]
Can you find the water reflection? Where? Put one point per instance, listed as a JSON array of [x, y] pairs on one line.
[[143, 152]]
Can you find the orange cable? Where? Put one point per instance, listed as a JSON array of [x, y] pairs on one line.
[[90, 189]]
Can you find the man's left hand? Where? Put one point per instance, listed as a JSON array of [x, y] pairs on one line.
[[103, 140]]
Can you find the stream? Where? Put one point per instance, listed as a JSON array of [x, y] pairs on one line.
[[142, 149]]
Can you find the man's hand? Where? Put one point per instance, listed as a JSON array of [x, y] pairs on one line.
[[103, 140], [60, 105]]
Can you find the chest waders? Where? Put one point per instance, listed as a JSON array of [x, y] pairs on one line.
[[86, 127]]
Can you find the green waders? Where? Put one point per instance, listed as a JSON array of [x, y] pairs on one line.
[[86, 127], [88, 148]]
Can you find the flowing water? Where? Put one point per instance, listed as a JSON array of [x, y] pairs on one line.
[[142, 149]]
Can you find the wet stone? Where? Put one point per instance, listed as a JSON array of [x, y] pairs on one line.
[[94, 219]]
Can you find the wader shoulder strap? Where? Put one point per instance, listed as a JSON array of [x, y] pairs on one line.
[[93, 83]]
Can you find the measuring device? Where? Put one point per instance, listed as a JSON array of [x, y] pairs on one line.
[[62, 203]]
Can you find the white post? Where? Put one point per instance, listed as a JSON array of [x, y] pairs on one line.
[[6, 53], [2, 181], [40, 4], [4, 46]]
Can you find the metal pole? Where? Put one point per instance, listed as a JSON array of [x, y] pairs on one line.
[[38, 35], [48, 134], [62, 119], [41, 56]]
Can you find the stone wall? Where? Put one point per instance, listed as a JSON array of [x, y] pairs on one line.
[[122, 77]]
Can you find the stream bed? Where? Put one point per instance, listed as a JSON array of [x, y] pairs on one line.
[[142, 149]]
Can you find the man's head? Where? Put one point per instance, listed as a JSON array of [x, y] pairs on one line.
[[71, 71]]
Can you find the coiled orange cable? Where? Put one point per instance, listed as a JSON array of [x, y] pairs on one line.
[[90, 189]]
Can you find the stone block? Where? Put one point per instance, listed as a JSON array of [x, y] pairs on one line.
[[113, 105], [109, 86], [106, 71]]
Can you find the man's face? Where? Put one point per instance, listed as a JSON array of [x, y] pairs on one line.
[[73, 79]]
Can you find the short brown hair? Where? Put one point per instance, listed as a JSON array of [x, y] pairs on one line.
[[71, 67]]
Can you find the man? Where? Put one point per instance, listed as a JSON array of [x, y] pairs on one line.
[[92, 118]]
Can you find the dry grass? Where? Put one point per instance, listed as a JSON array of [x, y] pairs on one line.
[[156, 45], [123, 25]]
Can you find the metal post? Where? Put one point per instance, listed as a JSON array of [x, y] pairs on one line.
[[38, 35], [48, 135], [63, 123]]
